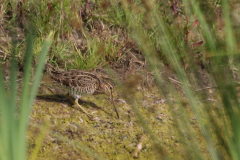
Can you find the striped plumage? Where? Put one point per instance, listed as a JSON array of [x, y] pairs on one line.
[[80, 83]]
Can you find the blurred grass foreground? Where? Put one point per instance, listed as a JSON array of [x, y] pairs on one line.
[[175, 66]]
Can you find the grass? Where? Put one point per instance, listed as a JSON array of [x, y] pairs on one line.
[[177, 37], [13, 127]]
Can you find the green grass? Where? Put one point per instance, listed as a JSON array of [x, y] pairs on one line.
[[161, 37], [15, 118], [173, 57]]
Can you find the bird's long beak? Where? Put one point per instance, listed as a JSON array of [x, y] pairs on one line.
[[114, 104]]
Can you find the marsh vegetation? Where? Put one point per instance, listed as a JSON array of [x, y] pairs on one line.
[[174, 65]]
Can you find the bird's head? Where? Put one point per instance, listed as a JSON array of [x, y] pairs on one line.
[[108, 88]]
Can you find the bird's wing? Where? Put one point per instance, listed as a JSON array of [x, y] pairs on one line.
[[82, 82]]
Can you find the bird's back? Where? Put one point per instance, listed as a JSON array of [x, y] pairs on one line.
[[77, 82]]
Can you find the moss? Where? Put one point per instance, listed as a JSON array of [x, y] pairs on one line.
[[108, 136]]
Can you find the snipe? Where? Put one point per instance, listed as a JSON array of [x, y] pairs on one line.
[[79, 83]]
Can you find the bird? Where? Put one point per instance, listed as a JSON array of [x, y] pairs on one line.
[[80, 83]]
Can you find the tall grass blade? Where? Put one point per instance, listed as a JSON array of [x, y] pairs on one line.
[[4, 127], [12, 102], [230, 38], [25, 92], [39, 141], [26, 110]]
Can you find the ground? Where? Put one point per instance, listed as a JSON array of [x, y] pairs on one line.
[[70, 134], [156, 119]]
